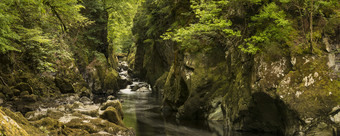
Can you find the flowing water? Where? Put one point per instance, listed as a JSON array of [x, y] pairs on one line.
[[142, 112]]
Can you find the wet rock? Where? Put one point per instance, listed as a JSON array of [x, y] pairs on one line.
[[10, 127], [113, 103], [8, 92], [111, 81], [64, 85], [24, 87], [16, 92], [216, 110], [111, 114], [123, 82], [321, 129], [2, 96], [24, 93], [30, 98], [97, 86], [91, 110], [143, 89], [48, 123], [134, 88], [107, 126], [111, 97], [77, 105], [85, 92], [79, 124], [15, 124], [74, 132], [85, 100]]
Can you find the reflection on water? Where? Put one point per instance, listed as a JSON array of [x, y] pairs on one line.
[[142, 112]]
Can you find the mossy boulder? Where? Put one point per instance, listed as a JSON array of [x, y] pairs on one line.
[[8, 92], [15, 124], [48, 123], [29, 98], [24, 87], [64, 85], [109, 126], [10, 127], [112, 114], [85, 92], [113, 103], [101, 78], [111, 80], [73, 132], [79, 124]]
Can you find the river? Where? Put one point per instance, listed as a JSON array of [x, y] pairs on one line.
[[142, 112]]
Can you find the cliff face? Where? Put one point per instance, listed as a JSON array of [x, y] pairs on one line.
[[285, 93]]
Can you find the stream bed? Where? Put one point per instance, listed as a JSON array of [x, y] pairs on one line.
[[142, 113]]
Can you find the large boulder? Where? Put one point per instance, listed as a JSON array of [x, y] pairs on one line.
[[111, 81], [64, 85], [113, 103], [24, 87], [111, 114], [101, 77], [15, 124]]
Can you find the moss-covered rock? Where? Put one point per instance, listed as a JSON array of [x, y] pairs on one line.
[[24, 87], [16, 124], [102, 78], [111, 80], [8, 92], [112, 114], [48, 123], [64, 85], [10, 127], [79, 124], [29, 98], [113, 103]]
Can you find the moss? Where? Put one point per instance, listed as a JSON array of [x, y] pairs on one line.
[[65, 85], [73, 132], [24, 87], [10, 127], [111, 80], [111, 114], [2, 96], [55, 114], [310, 87], [48, 123], [175, 89], [79, 124], [107, 126], [115, 104], [8, 92], [22, 122]]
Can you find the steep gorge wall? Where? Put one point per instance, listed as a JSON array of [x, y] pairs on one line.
[[286, 93]]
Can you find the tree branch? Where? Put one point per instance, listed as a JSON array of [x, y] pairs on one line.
[[58, 16]]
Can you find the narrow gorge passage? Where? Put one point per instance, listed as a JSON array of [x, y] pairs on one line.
[[142, 112], [169, 67]]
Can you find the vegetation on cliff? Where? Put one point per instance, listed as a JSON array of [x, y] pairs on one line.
[[258, 65]]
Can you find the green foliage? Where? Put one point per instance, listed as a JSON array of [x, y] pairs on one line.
[[254, 25], [210, 23], [37, 28], [6, 29], [271, 26], [121, 14]]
